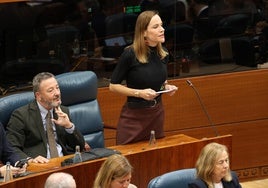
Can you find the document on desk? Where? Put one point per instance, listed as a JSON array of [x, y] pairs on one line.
[[165, 91]]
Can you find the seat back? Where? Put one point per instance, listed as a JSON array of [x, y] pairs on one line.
[[232, 25], [183, 35], [124, 22], [241, 49], [79, 93], [11, 102], [174, 179], [125, 25]]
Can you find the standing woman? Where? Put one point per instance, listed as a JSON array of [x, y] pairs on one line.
[[143, 66]]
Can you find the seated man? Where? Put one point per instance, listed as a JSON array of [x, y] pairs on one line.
[[42, 129]]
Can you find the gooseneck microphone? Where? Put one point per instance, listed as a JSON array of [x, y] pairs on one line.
[[203, 107]]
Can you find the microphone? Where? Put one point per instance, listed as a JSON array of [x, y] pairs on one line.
[[203, 107]]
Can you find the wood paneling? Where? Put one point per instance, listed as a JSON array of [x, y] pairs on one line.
[[255, 184], [237, 104], [171, 153]]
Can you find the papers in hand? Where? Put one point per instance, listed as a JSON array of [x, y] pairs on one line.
[[165, 91]]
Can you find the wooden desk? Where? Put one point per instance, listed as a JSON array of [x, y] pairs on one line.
[[171, 153]]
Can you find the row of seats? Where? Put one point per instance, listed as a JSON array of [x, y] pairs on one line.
[[53, 54], [228, 42]]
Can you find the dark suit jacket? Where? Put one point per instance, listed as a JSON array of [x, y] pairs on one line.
[[25, 132], [198, 183], [6, 151]]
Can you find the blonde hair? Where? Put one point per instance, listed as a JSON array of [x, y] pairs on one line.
[[115, 166], [141, 50], [206, 162]]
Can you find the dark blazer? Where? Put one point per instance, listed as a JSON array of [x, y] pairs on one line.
[[25, 132], [198, 183], [6, 151]]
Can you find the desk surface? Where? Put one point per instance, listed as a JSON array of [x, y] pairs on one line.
[[171, 153], [160, 143], [124, 149]]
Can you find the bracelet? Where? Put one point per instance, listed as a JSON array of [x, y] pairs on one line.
[[163, 85], [137, 93]]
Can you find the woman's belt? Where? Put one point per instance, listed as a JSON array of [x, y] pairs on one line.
[[144, 104]]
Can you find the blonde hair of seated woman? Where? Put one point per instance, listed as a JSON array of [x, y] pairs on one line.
[[115, 172]]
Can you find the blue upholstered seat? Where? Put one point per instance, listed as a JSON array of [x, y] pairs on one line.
[[174, 179], [79, 93], [11, 102]]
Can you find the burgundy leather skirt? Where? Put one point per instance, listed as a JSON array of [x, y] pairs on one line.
[[135, 124]]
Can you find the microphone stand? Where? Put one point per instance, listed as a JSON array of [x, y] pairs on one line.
[[203, 107]]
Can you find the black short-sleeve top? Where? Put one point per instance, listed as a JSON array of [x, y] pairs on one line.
[[140, 75]]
